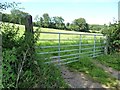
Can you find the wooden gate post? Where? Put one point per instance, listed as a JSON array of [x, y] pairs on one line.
[[29, 24], [29, 34]]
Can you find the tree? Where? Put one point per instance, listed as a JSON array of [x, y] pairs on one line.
[[81, 23], [37, 23], [18, 16], [41, 21], [6, 5], [59, 22], [74, 27], [96, 27], [6, 17], [68, 26], [46, 20], [87, 27], [52, 23]]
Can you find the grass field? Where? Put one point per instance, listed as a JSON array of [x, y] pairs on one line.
[[22, 29]]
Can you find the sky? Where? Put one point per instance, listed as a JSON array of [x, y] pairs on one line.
[[94, 11]]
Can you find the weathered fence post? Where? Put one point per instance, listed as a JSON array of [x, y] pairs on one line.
[[106, 45], [94, 51], [29, 34], [59, 49], [28, 24], [80, 43]]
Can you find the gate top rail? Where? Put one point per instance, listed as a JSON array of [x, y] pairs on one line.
[[70, 33]]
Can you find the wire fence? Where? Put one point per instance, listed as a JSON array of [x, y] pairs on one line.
[[64, 48]]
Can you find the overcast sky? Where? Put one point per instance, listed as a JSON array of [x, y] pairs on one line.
[[94, 11]]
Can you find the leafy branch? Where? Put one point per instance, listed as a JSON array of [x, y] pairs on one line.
[[21, 67]]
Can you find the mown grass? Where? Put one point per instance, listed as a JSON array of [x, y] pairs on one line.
[[85, 65], [111, 60]]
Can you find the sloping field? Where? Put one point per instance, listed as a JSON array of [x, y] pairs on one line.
[[22, 28]]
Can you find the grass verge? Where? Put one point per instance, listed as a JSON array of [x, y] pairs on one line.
[[112, 60], [86, 66]]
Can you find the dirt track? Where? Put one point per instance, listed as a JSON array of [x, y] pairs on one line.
[[77, 79]]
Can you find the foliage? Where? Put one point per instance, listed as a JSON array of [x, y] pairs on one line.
[[56, 22], [22, 57], [74, 27], [6, 5], [16, 17], [59, 22], [46, 20], [9, 36], [80, 24], [113, 34], [96, 27], [38, 20], [112, 60], [19, 16], [6, 17], [8, 68]]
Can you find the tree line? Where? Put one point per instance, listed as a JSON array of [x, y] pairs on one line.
[[57, 22], [45, 21], [16, 16]]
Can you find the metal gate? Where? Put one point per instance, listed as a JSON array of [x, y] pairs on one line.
[[64, 48]]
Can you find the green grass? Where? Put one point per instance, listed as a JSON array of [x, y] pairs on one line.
[[112, 60], [54, 36], [85, 65], [67, 47]]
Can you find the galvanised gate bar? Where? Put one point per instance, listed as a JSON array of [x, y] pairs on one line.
[[64, 48]]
